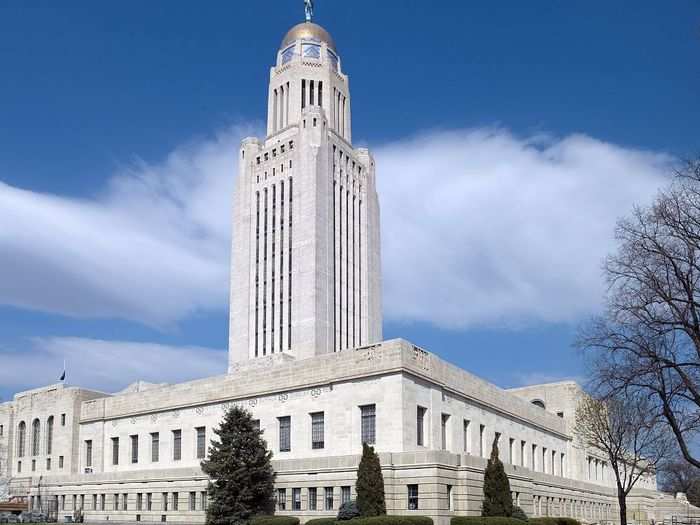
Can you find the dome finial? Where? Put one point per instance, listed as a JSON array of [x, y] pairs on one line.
[[309, 9]]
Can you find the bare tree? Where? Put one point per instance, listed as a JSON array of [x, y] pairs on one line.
[[648, 341], [677, 475], [628, 434]]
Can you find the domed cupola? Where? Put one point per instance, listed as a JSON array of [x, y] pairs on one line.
[[308, 31]]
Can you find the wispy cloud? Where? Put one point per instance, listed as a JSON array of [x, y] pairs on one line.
[[153, 247], [479, 227], [538, 378], [105, 365]]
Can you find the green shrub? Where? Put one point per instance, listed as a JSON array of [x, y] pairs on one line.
[[519, 513], [274, 520], [348, 511], [553, 520], [370, 484], [321, 521], [485, 520], [497, 496], [392, 520]]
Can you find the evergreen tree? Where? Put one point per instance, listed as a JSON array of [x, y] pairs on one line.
[[242, 479], [370, 484], [497, 498]]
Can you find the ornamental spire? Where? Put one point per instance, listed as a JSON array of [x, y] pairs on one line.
[[309, 9]]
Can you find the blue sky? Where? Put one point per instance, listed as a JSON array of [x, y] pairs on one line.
[[509, 137]]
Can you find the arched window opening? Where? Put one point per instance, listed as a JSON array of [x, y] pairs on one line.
[[21, 437], [538, 403], [36, 434]]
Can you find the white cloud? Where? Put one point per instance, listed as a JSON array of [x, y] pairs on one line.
[[105, 365], [153, 247], [539, 378], [483, 228], [479, 228]]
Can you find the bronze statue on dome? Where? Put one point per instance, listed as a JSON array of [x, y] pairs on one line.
[[309, 9]]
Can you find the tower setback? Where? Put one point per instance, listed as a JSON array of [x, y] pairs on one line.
[[305, 276]]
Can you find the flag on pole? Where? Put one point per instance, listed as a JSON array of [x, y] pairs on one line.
[[63, 375]]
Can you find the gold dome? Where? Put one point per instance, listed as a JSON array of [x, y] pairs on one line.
[[307, 31]]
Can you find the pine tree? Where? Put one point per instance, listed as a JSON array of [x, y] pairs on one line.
[[497, 498], [370, 484], [242, 479]]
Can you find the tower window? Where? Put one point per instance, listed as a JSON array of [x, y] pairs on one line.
[[303, 93]]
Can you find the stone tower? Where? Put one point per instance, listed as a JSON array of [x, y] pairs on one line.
[[305, 276]]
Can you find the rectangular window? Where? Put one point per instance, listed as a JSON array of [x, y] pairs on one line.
[[561, 464], [466, 437], [177, 445], [102, 501], [33, 465], [313, 495], [193, 501], [344, 494], [368, 428], [149, 501], [134, 449], [296, 499], [511, 450], [176, 500], [201, 442], [63, 502], [115, 451], [533, 458], [60, 461], [48, 463], [522, 453], [328, 500], [125, 498], [482, 436], [94, 502], [63, 420], [155, 447], [285, 428], [444, 420], [139, 501], [204, 500], [317, 434], [115, 502], [88, 453], [281, 499], [420, 426], [164, 501], [412, 497], [450, 504]]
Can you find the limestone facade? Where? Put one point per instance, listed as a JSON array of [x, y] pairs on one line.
[[110, 457], [305, 276]]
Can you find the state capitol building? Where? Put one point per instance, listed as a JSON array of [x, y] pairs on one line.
[[307, 359]]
